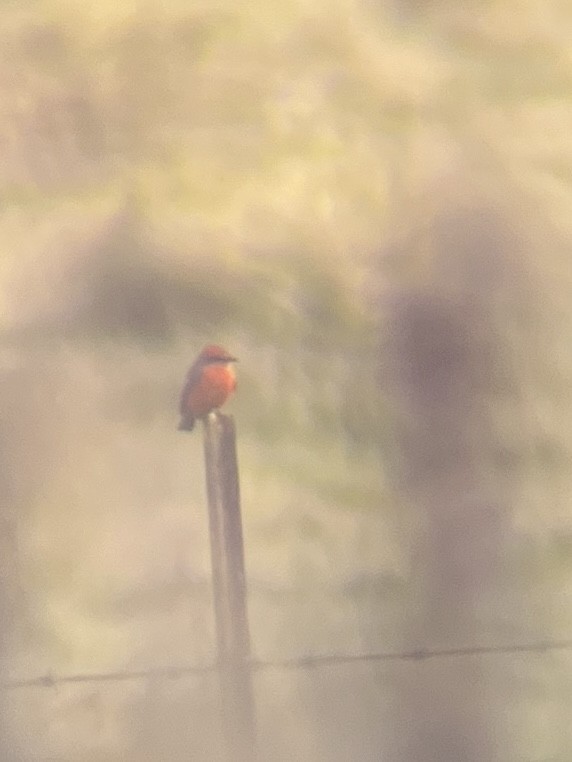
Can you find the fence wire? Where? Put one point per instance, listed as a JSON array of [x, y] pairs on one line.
[[50, 680]]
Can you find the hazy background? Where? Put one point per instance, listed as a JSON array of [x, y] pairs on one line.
[[370, 204]]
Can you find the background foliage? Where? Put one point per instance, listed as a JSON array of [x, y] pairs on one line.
[[281, 177]]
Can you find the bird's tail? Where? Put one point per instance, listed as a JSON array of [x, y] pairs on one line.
[[187, 423]]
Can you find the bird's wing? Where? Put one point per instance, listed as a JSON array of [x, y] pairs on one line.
[[192, 378]]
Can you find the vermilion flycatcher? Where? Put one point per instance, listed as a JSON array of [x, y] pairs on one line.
[[210, 381]]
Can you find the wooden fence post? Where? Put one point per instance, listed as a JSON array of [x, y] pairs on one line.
[[229, 587]]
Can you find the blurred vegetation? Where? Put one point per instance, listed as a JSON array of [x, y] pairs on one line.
[[276, 177]]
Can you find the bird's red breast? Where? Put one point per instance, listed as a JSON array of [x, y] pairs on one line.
[[210, 381], [211, 390]]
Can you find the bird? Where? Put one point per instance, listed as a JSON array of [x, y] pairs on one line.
[[209, 383]]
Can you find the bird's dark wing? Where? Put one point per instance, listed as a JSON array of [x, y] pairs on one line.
[[192, 378]]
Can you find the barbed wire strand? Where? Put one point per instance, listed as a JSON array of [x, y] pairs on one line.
[[49, 680]]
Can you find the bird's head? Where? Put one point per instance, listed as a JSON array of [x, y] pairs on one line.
[[213, 353]]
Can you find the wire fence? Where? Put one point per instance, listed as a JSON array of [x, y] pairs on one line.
[[51, 680]]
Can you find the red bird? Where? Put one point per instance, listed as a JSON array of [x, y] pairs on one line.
[[210, 382]]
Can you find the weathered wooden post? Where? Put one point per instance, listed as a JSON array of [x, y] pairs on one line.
[[229, 587]]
